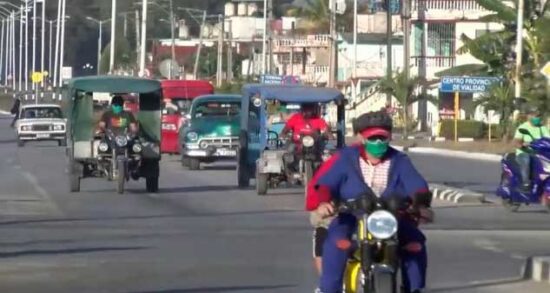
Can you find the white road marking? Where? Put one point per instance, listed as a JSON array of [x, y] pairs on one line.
[[42, 192]]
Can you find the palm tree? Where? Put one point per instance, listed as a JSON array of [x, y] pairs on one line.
[[317, 16], [500, 98], [404, 89]]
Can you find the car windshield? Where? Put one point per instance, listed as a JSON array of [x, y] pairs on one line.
[[42, 112], [217, 109], [182, 104]]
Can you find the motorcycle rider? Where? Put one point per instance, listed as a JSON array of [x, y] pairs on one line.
[[522, 141], [118, 120], [370, 165]]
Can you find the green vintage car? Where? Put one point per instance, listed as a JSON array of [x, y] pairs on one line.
[[211, 132]]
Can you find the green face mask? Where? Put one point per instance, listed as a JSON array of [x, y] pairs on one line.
[[536, 121], [377, 148], [116, 109]]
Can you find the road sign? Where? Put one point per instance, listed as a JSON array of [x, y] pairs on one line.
[[546, 70], [467, 84], [37, 77], [280, 79]]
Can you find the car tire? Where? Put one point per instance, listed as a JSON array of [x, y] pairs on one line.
[[62, 142], [20, 143], [185, 161], [243, 179], [194, 164], [152, 184], [74, 176]]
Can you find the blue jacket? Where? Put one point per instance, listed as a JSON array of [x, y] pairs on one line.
[[344, 179]]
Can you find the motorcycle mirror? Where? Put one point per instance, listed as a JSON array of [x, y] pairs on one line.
[[525, 132]]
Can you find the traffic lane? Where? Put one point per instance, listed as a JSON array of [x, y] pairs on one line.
[[478, 175]]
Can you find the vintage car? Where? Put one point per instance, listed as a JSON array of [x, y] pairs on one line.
[[41, 122], [212, 131]]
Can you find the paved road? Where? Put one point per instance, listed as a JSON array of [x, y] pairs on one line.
[[201, 234]]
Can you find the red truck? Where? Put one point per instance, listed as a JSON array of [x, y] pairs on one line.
[[178, 95]]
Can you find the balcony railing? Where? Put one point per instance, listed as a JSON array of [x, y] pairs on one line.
[[436, 61], [446, 5]]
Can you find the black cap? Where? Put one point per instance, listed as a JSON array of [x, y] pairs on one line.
[[372, 119], [117, 100]]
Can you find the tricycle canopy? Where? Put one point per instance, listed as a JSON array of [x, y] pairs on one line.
[[293, 93], [83, 116]]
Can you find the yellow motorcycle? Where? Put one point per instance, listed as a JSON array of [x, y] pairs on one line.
[[375, 262]]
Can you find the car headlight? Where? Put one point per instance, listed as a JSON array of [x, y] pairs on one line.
[[203, 144], [136, 148], [103, 147], [58, 127], [192, 136], [545, 164], [382, 224], [121, 141], [308, 141], [26, 128]]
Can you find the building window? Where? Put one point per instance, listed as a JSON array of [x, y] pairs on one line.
[[441, 39], [446, 5], [284, 58]]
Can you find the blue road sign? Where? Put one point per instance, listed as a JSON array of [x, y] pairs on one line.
[[467, 84], [280, 79]]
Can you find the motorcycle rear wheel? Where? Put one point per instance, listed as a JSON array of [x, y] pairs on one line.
[[508, 204]]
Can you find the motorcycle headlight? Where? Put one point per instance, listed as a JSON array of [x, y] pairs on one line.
[[121, 141], [192, 136], [382, 224], [136, 148], [58, 127], [308, 141], [103, 147]]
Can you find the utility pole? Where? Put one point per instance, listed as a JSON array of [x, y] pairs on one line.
[[6, 63], [99, 45], [26, 67], [57, 41], [333, 47], [292, 48], [389, 37], [229, 52], [219, 71], [2, 48], [43, 46], [354, 64], [143, 46], [264, 42], [126, 24], [33, 40], [113, 37], [50, 49], [270, 39], [172, 29], [519, 48], [406, 16], [20, 87], [422, 70], [137, 38], [62, 53], [195, 68]]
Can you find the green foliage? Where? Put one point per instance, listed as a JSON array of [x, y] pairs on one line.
[[466, 128], [125, 57], [230, 88]]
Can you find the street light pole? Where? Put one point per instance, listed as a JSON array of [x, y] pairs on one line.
[[264, 42], [2, 47], [143, 38], [33, 40], [113, 37], [50, 49], [172, 23], [195, 68], [42, 53], [26, 45], [57, 42], [21, 49], [61, 54]]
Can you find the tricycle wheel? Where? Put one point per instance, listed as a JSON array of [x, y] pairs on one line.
[[62, 142], [152, 184], [243, 180], [74, 177], [308, 174], [185, 161], [194, 164], [261, 183], [509, 205], [121, 177]]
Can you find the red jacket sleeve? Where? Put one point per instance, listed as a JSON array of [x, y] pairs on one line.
[[315, 194]]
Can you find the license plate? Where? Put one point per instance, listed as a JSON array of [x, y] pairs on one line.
[[42, 135], [227, 153]]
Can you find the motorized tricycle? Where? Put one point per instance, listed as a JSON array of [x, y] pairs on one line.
[[178, 96], [113, 156], [263, 154], [539, 192]]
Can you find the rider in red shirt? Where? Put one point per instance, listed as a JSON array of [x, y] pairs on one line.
[[306, 122]]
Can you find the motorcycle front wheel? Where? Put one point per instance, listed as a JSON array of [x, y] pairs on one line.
[[385, 282], [121, 179]]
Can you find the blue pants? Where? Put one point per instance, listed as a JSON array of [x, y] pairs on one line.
[[524, 162], [413, 265]]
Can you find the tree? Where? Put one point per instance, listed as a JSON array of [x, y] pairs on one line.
[[404, 89], [317, 16], [500, 98], [124, 56]]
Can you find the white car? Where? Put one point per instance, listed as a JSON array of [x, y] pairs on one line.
[[41, 122]]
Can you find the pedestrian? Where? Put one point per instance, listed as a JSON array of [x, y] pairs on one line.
[[15, 110]]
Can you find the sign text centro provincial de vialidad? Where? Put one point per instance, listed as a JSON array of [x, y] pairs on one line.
[[467, 84]]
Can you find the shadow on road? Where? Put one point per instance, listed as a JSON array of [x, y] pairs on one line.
[[464, 288], [66, 251], [221, 289]]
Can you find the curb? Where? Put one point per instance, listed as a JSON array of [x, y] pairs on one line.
[[540, 269], [2, 112], [456, 195], [452, 153]]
